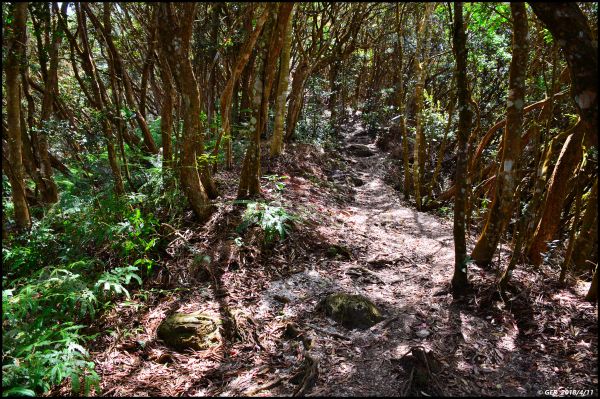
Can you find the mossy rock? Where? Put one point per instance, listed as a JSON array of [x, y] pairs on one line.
[[189, 331], [335, 251], [360, 150], [352, 311]]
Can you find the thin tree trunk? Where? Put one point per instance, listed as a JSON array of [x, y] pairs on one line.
[[226, 96], [506, 177], [284, 79], [592, 294], [440, 157], [15, 56], [588, 232], [100, 98], [420, 73], [149, 143], [166, 116], [576, 216], [459, 279], [49, 189]]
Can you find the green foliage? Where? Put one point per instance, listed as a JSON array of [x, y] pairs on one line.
[[113, 280], [40, 341], [445, 211], [313, 128], [434, 120], [273, 220], [277, 182], [86, 252]]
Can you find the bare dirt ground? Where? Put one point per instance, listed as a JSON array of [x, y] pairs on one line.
[[354, 235]]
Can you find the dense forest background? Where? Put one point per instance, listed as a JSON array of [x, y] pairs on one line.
[[149, 149]]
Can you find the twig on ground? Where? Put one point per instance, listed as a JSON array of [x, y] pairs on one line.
[[267, 385], [324, 331]]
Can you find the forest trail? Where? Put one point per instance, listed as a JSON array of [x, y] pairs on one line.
[[357, 236]]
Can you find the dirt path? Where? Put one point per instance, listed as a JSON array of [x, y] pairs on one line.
[[357, 237]]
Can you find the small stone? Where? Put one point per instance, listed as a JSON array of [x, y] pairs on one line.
[[423, 333]]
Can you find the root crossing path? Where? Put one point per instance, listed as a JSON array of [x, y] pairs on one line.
[[356, 236]]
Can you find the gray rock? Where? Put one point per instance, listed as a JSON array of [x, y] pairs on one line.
[[423, 333]]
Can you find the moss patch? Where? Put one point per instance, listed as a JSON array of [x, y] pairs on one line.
[[352, 311], [189, 331], [335, 251]]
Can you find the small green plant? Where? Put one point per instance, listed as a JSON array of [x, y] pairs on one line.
[[445, 211], [274, 220], [114, 280], [277, 181]]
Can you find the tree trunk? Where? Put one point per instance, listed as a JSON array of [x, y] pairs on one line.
[[588, 232], [501, 209], [420, 73], [282, 87], [459, 279], [166, 115], [250, 179], [572, 32], [15, 57], [592, 294], [241, 62], [49, 189], [175, 31], [440, 156], [295, 103], [558, 188], [99, 99], [149, 143], [578, 178]]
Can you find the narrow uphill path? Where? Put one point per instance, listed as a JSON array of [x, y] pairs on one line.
[[356, 236]]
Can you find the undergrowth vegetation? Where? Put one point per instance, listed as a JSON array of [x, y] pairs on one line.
[[87, 250]]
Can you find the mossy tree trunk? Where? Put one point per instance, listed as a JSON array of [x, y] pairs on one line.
[[506, 177], [250, 180], [588, 232], [240, 64], [282, 87], [571, 30], [420, 74]]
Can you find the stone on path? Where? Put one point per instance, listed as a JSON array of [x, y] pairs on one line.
[[360, 150], [352, 311], [195, 330]]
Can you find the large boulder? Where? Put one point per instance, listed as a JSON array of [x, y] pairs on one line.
[[195, 330], [351, 311]]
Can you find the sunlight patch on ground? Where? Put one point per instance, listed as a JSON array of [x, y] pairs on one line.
[[581, 288], [507, 341]]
